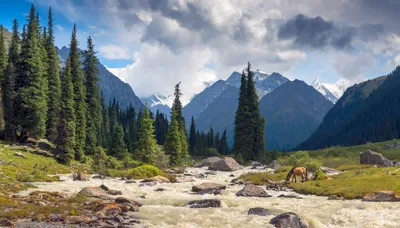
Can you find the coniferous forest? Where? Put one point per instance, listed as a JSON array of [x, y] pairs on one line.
[[41, 100]]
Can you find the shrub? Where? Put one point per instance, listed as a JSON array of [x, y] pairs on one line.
[[113, 163], [239, 159], [162, 160], [319, 175], [145, 171], [283, 169], [211, 152], [312, 165], [99, 164]]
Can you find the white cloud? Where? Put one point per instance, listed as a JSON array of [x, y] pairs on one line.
[[59, 28], [353, 67], [111, 51]]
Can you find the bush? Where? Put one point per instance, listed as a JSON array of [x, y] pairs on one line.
[[319, 175], [283, 169], [239, 159], [301, 158], [113, 163], [99, 164], [211, 152], [145, 171], [162, 160]]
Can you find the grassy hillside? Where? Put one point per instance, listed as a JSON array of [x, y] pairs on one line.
[[354, 183]]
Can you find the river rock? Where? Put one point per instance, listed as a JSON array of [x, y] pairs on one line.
[[373, 158], [274, 165], [287, 220], [258, 211], [18, 154], [95, 192], [255, 164], [6, 223], [335, 197], [105, 188], [111, 209], [208, 187], [206, 203], [290, 196], [130, 182], [77, 219], [251, 190], [114, 192], [330, 171], [157, 179], [123, 200], [225, 164], [207, 162], [381, 196], [388, 146], [80, 176], [159, 190]]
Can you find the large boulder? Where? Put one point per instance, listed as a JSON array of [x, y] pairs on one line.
[[157, 179], [95, 192], [206, 203], [225, 164], [381, 196], [258, 211], [329, 171], [208, 188], [287, 220], [207, 162], [251, 190], [373, 158]]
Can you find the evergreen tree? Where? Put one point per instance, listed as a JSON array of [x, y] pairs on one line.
[[53, 78], [8, 85], [66, 130], [117, 145], [223, 144], [79, 93], [178, 116], [192, 137], [172, 144], [161, 125], [210, 138], [31, 83], [3, 66], [105, 130], [146, 146], [92, 97]]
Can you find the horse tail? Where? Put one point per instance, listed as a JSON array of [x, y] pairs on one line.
[[290, 173]]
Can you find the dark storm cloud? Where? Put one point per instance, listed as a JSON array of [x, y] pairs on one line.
[[316, 33]]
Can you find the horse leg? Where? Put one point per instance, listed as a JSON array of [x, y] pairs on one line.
[[295, 179], [302, 177]]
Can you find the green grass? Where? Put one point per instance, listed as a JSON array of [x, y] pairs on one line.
[[140, 172]]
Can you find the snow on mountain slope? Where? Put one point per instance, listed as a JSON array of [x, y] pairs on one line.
[[320, 87], [335, 90]]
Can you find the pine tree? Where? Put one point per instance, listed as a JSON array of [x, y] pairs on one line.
[[79, 96], [3, 66], [66, 130], [31, 85], [223, 144], [146, 146], [8, 85], [53, 78], [117, 144], [210, 138], [178, 116], [92, 97], [172, 144], [105, 130], [192, 136]]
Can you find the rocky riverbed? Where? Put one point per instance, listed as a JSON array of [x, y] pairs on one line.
[[166, 204]]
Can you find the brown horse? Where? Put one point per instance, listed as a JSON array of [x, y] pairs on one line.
[[298, 171]]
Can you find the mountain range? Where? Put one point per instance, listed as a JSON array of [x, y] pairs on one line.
[[110, 85]]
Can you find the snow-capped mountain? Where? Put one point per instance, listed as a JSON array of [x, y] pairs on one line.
[[334, 89], [159, 102], [121, 73]]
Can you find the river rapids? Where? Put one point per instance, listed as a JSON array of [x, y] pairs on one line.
[[167, 208]]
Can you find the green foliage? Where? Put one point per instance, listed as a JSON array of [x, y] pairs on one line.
[[99, 164], [173, 146], [319, 175], [192, 136], [146, 146], [211, 152], [161, 125], [335, 162], [301, 158], [79, 96], [3, 66], [117, 145], [54, 83], [144, 171], [239, 159], [162, 160]]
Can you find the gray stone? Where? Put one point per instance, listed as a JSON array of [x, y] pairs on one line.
[[207, 186], [287, 220], [373, 158], [381, 196], [274, 165], [258, 211], [251, 190], [206, 203], [225, 164], [207, 162]]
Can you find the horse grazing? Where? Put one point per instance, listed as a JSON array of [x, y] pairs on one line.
[[298, 171]]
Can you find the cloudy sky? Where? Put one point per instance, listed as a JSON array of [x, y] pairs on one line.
[[163, 42]]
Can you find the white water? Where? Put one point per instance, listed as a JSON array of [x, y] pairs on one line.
[[166, 209]]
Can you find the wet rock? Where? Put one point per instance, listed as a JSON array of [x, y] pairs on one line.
[[6, 223], [130, 182], [18, 154], [287, 220], [119, 219], [122, 200], [42, 153], [56, 218], [225, 164], [273, 185], [290, 196], [95, 192], [80, 176], [274, 165], [207, 187], [373, 158], [43, 145], [124, 207], [148, 184], [77, 219], [157, 179], [159, 189], [330, 171], [201, 175], [255, 164], [231, 175], [381, 196], [115, 192], [251, 190], [207, 162], [111, 209], [258, 211], [206, 203], [105, 188], [210, 173], [335, 197], [98, 177]]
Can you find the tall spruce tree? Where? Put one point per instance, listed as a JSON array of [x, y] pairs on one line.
[[223, 144], [192, 136], [31, 83], [53, 78], [173, 146], [92, 97], [146, 146], [8, 85], [117, 144], [177, 110], [3, 66], [79, 96], [66, 129]]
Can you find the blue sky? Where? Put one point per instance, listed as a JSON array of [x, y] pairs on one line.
[[159, 43]]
